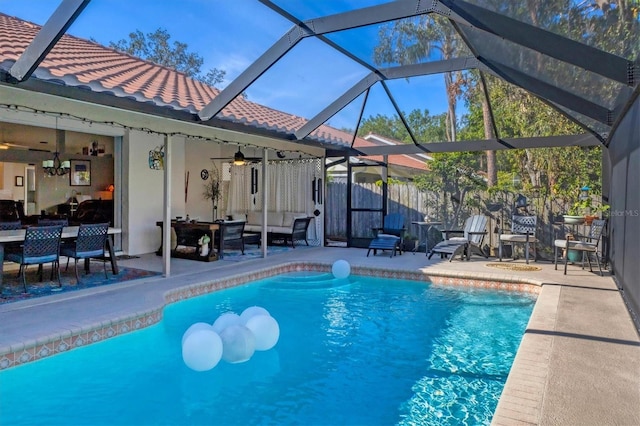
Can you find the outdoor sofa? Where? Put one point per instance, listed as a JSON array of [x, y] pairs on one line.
[[281, 226]]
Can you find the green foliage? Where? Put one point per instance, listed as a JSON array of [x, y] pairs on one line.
[[212, 187], [156, 47]]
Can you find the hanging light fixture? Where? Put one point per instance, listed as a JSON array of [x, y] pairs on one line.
[[238, 158], [56, 167]]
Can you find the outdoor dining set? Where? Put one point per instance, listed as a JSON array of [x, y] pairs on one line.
[[48, 240]]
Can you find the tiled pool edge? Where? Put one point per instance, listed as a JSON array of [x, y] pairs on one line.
[[25, 352]]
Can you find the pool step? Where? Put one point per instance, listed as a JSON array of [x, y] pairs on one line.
[[307, 281]]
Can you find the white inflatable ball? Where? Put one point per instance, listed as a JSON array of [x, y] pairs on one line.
[[238, 344], [202, 350], [225, 320], [266, 331], [341, 269], [195, 327], [252, 311]]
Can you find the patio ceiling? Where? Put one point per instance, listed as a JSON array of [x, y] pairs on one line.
[[587, 79]]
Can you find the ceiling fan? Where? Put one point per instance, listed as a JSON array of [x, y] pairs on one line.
[[239, 159]]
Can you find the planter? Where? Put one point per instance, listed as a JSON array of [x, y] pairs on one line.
[[573, 220], [574, 256], [589, 219]]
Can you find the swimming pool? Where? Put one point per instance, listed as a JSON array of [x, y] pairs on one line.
[[360, 351]]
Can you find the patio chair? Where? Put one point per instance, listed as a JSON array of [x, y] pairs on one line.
[[90, 243], [475, 228], [52, 222], [41, 245], [8, 226], [586, 247], [231, 234], [523, 231], [390, 236]]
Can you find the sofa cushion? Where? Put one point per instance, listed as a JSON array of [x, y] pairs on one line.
[[239, 216], [280, 229], [254, 218], [253, 228], [289, 217], [275, 218]]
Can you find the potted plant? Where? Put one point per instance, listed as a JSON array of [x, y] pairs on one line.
[[212, 190]]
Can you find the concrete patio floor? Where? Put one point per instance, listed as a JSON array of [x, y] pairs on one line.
[[578, 362]]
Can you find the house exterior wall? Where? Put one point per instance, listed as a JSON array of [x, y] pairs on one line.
[[624, 197], [143, 192]]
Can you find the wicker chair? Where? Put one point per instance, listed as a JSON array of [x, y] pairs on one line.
[[41, 245], [90, 243], [231, 234]]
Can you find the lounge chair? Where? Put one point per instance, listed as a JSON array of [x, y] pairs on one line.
[[590, 245], [523, 231], [469, 243], [389, 237]]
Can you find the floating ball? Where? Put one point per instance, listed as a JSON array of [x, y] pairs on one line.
[[238, 343], [195, 327], [202, 350], [266, 331], [341, 269], [225, 320], [252, 311]]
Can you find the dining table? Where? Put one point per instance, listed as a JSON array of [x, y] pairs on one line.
[[68, 233]]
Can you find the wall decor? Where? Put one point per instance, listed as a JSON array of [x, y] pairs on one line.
[[156, 158], [80, 173], [19, 181]]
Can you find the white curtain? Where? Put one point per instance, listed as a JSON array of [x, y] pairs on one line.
[[290, 188]]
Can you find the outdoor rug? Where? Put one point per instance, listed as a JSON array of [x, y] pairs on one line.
[[512, 267], [12, 288], [254, 252]]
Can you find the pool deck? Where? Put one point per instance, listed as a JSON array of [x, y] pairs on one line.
[[578, 362]]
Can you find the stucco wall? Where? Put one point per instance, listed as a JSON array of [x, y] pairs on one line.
[[624, 196], [143, 193]]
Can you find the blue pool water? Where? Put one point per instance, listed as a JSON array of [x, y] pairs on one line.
[[361, 351]]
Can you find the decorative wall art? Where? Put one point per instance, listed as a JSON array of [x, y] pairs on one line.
[[19, 181], [80, 173], [156, 158]]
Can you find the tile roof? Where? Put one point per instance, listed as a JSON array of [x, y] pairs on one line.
[[83, 63], [415, 161]]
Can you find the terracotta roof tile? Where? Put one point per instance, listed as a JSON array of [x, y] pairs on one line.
[[80, 62]]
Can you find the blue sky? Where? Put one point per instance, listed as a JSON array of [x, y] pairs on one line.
[[231, 34]]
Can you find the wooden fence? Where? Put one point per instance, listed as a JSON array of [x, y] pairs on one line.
[[415, 205]]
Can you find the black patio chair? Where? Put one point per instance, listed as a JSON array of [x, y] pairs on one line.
[[90, 243], [50, 222], [41, 245], [231, 234], [587, 245], [8, 226]]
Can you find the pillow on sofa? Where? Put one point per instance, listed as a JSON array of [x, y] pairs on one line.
[[289, 217], [274, 218], [254, 218]]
